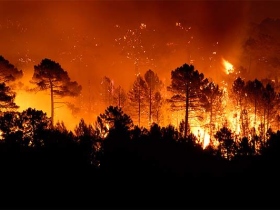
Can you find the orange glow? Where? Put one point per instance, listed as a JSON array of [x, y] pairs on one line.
[[206, 140], [85, 38], [228, 67]]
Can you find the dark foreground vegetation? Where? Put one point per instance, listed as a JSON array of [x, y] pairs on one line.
[[123, 166]]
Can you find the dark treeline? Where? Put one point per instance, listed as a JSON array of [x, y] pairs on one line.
[[115, 162]]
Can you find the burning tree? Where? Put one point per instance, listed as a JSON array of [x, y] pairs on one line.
[[186, 86], [213, 96], [270, 101], [238, 93], [253, 90], [49, 75]]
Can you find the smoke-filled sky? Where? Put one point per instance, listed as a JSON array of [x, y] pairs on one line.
[[85, 36]]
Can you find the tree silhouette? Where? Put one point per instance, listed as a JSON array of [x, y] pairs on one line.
[[116, 119], [226, 142], [120, 97], [253, 90], [138, 96], [7, 97], [244, 148], [154, 86], [270, 100], [31, 123], [157, 105], [213, 97], [8, 72], [49, 75], [89, 142], [238, 93], [186, 86], [115, 146], [107, 91]]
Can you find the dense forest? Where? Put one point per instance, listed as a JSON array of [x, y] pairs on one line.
[[127, 158], [114, 162], [44, 166]]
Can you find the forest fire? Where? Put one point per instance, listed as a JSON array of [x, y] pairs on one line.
[[130, 62], [99, 95], [228, 66]]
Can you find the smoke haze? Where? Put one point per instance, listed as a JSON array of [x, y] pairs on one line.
[[81, 35]]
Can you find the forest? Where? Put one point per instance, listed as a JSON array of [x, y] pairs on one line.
[[127, 158]]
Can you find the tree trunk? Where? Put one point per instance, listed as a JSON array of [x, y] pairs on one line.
[[52, 105]]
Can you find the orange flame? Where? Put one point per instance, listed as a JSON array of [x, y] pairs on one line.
[[228, 66]]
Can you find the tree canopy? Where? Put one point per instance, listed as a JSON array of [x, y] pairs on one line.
[[8, 72], [49, 75], [186, 86]]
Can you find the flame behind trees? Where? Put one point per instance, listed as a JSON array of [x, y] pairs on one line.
[[253, 90], [145, 97], [213, 97], [107, 91], [238, 94], [120, 97], [49, 75], [137, 97], [186, 86], [270, 101], [154, 86], [27, 126], [115, 123], [110, 94]]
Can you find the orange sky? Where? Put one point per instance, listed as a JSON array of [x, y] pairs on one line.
[[80, 35]]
